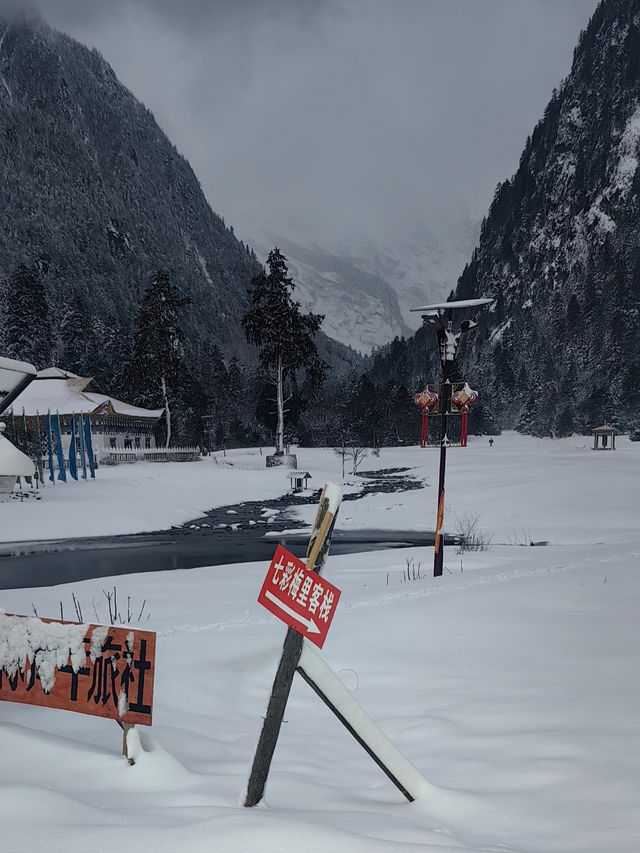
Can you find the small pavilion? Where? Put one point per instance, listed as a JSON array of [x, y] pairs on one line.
[[604, 437], [298, 480]]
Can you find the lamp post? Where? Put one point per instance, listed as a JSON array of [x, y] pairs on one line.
[[440, 317]]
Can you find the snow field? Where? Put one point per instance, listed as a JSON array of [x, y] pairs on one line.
[[511, 685], [141, 497], [522, 489]]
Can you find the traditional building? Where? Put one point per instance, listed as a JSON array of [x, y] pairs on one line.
[[114, 425]]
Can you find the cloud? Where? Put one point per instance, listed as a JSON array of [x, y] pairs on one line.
[[356, 116]]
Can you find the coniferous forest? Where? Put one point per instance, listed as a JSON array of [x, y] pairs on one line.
[[98, 204]]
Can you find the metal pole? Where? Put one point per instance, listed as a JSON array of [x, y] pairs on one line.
[[445, 402], [424, 430], [438, 553], [440, 317]]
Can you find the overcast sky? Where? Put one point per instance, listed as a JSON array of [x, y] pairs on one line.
[[362, 116]]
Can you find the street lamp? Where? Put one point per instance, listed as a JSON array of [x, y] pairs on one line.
[[440, 317]]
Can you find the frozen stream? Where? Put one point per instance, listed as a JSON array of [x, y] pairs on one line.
[[231, 534]]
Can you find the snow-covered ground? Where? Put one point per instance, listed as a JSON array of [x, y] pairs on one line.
[[512, 683], [141, 497], [522, 489]]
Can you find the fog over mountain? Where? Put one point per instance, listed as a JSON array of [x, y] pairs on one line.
[[369, 130], [340, 115]]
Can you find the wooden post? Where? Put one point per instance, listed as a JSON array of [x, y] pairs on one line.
[[126, 728], [291, 650], [326, 684], [424, 430], [464, 427]]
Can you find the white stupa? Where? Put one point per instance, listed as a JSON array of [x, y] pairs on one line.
[[13, 464]]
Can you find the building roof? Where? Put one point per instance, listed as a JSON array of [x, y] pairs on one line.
[[605, 429], [298, 475], [57, 390]]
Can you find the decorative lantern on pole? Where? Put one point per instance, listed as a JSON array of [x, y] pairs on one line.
[[425, 400], [440, 317], [463, 399]]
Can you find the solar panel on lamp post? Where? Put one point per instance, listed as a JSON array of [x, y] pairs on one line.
[[440, 317]]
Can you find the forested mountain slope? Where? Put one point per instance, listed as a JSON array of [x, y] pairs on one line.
[[560, 252], [97, 198]]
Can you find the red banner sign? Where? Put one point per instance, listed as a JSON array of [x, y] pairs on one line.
[[304, 600], [93, 669]]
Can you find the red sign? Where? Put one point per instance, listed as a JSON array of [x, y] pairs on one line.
[[304, 600], [93, 669]]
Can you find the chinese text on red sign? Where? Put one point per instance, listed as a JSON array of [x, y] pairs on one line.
[[304, 600]]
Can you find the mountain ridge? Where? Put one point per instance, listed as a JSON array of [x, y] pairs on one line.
[[559, 251], [98, 198]]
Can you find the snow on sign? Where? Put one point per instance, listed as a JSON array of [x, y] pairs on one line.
[[93, 669], [303, 599]]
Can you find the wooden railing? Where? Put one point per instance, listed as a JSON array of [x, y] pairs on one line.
[[157, 454]]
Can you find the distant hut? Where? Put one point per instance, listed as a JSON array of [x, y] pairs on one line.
[[604, 437], [298, 480]]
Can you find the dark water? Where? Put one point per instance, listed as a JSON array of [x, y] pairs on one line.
[[208, 541], [74, 561]]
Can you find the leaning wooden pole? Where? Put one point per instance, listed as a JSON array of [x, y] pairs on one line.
[[316, 554], [326, 684]]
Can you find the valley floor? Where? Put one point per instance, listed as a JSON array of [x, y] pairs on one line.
[[522, 489], [512, 683]]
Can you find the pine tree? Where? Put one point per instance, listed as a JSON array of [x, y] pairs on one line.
[[28, 335], [155, 368], [527, 422], [75, 337], [282, 333]]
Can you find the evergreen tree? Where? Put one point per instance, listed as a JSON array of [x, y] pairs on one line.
[[190, 410], [155, 368], [564, 424], [282, 333], [28, 334], [527, 422], [75, 337], [573, 313]]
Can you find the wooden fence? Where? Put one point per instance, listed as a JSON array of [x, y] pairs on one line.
[[172, 454]]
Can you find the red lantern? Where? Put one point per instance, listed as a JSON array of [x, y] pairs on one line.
[[463, 400], [425, 400]]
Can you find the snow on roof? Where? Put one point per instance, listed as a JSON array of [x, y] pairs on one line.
[[57, 373], [121, 408], [56, 390], [13, 364], [298, 474], [14, 461]]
